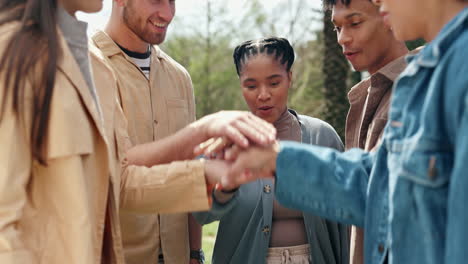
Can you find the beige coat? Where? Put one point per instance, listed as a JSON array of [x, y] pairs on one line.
[[155, 108], [67, 212]]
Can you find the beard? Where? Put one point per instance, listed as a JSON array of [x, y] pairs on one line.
[[140, 26]]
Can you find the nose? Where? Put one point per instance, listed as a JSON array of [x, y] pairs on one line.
[[166, 10], [264, 94], [343, 37], [377, 2]]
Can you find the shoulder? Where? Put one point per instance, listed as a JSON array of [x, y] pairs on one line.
[[318, 132], [100, 61], [172, 64], [315, 125]]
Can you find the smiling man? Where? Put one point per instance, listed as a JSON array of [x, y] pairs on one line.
[[369, 45], [156, 95]]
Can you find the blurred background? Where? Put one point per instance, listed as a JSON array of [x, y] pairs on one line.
[[204, 33]]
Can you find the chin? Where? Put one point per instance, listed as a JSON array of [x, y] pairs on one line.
[[93, 7], [155, 40], [358, 68], [405, 36]]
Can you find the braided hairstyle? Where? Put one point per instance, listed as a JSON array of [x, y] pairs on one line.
[[329, 4], [278, 47]]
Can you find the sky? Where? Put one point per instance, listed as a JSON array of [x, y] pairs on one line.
[[188, 12]]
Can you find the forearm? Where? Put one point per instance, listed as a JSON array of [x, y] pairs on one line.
[[176, 147], [195, 233], [307, 175]]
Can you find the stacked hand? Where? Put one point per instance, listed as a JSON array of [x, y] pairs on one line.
[[234, 164]]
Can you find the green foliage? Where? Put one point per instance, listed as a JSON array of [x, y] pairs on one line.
[[415, 44], [207, 55], [206, 51], [209, 237]]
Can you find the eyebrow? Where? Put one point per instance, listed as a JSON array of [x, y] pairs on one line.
[[349, 16], [268, 78], [352, 15], [273, 76], [249, 80]]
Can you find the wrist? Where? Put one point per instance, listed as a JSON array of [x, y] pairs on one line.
[[198, 255], [274, 155]]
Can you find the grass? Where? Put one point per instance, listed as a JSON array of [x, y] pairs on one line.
[[208, 240]]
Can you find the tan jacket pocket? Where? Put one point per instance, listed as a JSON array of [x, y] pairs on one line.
[[178, 113]]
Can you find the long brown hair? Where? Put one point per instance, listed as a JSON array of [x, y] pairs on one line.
[[34, 47]]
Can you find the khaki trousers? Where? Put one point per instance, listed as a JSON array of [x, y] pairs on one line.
[[289, 255]]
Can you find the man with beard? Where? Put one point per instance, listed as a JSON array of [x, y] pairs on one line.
[[156, 95]]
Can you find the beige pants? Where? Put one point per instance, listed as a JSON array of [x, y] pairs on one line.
[[289, 255]]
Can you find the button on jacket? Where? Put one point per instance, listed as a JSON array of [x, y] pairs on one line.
[[410, 194], [67, 212]]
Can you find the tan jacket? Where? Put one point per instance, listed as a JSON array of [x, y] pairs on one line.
[[368, 114], [67, 212], [154, 108]]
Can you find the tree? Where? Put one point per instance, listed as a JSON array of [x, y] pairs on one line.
[[335, 74]]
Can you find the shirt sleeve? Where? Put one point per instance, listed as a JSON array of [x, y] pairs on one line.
[[323, 181], [15, 173], [168, 188], [218, 210]]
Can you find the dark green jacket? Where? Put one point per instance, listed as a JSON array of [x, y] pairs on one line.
[[244, 229]]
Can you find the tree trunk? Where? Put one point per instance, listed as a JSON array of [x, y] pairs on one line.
[[335, 71]]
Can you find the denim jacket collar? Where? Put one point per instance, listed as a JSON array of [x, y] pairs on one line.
[[431, 55]]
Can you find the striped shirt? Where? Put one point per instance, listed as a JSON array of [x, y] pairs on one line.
[[142, 60]]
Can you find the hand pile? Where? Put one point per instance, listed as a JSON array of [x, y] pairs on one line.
[[241, 148]]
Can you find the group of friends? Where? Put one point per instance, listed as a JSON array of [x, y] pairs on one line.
[[103, 161]]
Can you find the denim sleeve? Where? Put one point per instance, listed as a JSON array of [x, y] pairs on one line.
[[217, 210], [323, 181], [457, 214]]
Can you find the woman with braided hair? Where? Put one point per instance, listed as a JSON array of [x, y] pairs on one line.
[[254, 227]]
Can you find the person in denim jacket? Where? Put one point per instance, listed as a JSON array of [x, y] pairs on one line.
[[254, 228], [414, 211]]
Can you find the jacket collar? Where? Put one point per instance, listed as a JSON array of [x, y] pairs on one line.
[[431, 55], [109, 48], [70, 69]]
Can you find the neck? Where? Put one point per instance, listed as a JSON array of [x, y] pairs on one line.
[[397, 50], [68, 8], [118, 31], [441, 15]]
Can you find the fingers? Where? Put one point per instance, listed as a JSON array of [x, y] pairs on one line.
[[200, 148], [212, 146], [218, 145], [262, 125], [239, 127], [231, 153], [234, 134], [255, 129]]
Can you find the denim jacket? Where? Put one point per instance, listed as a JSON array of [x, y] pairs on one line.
[[245, 221], [410, 194]]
